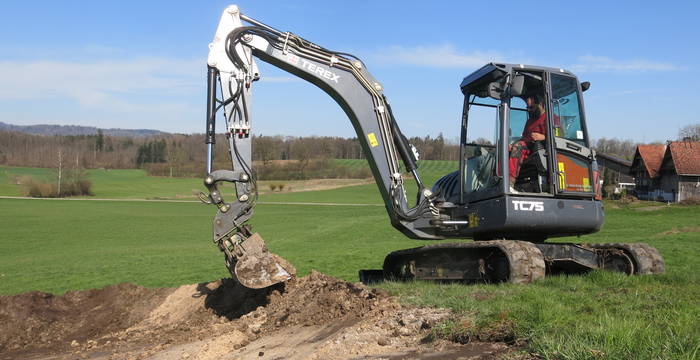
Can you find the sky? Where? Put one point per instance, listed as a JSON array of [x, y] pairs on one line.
[[142, 64]]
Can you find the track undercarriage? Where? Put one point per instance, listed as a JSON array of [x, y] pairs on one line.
[[513, 261]]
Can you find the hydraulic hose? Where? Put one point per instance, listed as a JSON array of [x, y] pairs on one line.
[[210, 137], [401, 142]]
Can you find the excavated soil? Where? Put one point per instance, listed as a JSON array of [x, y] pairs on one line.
[[314, 317]]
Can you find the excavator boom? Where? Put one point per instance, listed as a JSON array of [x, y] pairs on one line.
[[343, 77]]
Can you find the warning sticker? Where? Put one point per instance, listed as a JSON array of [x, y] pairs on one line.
[[473, 220], [562, 176], [586, 184], [372, 140]]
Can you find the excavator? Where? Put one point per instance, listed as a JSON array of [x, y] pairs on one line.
[[510, 213]]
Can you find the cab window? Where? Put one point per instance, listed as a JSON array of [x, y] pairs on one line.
[[518, 118], [567, 109], [480, 153]]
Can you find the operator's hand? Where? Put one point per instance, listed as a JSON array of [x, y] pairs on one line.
[[537, 136]]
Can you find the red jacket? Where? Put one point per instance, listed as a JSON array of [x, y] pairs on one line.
[[538, 125]]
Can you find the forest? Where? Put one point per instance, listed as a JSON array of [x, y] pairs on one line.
[[179, 155], [275, 157]]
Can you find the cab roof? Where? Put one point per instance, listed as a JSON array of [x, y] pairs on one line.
[[493, 71]]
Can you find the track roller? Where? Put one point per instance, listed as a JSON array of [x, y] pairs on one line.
[[645, 258]]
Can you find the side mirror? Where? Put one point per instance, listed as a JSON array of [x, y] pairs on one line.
[[516, 86], [585, 85], [495, 90]]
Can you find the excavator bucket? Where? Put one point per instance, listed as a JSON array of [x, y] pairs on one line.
[[256, 267]]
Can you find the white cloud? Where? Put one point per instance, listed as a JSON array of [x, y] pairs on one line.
[[145, 92], [440, 56], [591, 63], [102, 82]]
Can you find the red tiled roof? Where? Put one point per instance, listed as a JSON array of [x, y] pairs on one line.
[[686, 157], [652, 156]]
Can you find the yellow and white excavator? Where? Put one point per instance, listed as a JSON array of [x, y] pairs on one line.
[[509, 212]]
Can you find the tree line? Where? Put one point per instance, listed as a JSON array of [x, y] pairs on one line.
[[184, 155], [183, 151]]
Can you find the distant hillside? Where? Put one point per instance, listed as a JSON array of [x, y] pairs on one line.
[[77, 130]]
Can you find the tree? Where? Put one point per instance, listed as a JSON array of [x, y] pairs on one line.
[[60, 169], [302, 151], [621, 148], [482, 141], [439, 147], [99, 141], [265, 148], [689, 133], [152, 152], [143, 155]]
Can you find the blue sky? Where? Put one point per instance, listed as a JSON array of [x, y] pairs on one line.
[[141, 64]]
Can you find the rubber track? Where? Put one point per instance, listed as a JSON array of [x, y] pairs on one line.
[[647, 260], [525, 260]]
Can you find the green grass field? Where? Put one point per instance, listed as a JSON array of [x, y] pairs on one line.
[[58, 245], [111, 184], [599, 315], [135, 184]]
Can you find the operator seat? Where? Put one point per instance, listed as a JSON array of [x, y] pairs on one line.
[[533, 172]]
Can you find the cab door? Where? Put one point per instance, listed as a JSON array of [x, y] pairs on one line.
[[572, 160]]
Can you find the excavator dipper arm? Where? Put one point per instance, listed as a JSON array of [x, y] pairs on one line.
[[343, 77]]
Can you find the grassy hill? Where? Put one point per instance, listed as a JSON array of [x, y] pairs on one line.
[[429, 170]]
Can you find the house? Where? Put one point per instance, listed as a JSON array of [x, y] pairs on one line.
[[618, 167], [615, 170], [645, 167], [680, 170], [667, 172]]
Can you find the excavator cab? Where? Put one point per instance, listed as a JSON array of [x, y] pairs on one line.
[[526, 168], [526, 174], [517, 97]]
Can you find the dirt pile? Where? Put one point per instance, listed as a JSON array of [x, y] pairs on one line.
[[36, 320], [319, 299], [314, 317]]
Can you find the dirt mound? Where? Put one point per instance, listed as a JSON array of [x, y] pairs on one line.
[[319, 299], [314, 317], [37, 320]]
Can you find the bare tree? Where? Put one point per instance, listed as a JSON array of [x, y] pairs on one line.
[[689, 133], [622, 148], [265, 148], [60, 168]]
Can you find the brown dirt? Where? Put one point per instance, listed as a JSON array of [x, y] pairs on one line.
[[310, 185], [314, 317], [651, 208], [675, 231]]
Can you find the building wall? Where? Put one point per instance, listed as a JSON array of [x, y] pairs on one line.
[[669, 186], [643, 184], [661, 188], [689, 187]]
